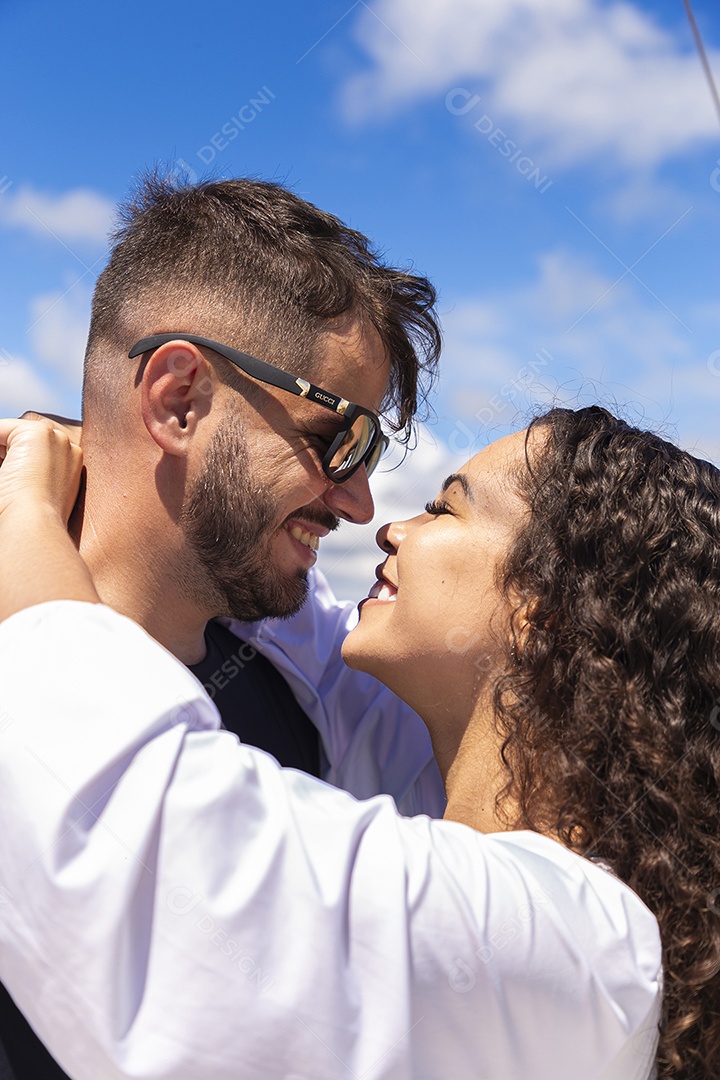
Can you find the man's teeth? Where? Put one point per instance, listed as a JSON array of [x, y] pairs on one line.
[[311, 540]]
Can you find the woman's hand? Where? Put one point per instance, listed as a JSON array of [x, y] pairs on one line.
[[72, 427], [39, 480], [41, 467]]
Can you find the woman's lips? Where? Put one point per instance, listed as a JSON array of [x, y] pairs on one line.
[[383, 590]]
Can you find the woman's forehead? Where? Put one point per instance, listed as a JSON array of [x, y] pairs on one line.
[[499, 457], [489, 480]]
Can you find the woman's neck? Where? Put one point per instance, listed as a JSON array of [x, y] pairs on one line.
[[468, 753], [473, 782]]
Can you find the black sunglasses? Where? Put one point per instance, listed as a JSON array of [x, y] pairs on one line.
[[360, 440]]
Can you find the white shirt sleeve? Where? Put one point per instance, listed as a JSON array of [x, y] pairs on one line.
[[175, 906], [373, 742]]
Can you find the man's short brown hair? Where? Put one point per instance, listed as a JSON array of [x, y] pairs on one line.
[[250, 263]]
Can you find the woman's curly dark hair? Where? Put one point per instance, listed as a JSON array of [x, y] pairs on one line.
[[610, 711]]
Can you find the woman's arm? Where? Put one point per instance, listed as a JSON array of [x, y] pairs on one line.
[[39, 481], [175, 906]]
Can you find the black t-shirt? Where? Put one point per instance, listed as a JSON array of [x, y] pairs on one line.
[[255, 701], [257, 704]]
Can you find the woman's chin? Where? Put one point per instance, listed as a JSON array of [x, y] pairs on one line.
[[362, 651], [352, 651]]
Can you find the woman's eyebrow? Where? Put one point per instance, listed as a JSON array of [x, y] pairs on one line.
[[462, 480]]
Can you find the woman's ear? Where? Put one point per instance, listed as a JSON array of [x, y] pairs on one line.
[[521, 625], [527, 617], [178, 388]]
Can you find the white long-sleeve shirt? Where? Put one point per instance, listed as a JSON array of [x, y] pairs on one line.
[[175, 905]]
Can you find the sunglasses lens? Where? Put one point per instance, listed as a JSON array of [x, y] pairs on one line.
[[361, 439], [373, 458]]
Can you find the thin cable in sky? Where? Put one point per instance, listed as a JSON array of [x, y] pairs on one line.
[[703, 56]]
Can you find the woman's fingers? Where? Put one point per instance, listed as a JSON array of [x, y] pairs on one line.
[[41, 465], [72, 427]]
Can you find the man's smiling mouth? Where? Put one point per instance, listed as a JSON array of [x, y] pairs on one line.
[[310, 525], [310, 539]]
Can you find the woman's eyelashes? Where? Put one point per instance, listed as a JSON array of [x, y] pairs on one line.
[[437, 506]]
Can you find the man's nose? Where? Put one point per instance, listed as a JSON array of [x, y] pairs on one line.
[[352, 499]]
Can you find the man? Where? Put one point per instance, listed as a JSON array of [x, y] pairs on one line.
[[212, 477]]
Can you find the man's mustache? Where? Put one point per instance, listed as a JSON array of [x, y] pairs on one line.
[[316, 515]]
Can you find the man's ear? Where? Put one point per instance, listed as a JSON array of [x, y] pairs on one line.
[[178, 385]]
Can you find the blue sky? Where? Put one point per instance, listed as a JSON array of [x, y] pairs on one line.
[[553, 166]]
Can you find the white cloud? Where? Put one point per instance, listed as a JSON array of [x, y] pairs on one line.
[[574, 334], [577, 79], [640, 196], [52, 381], [22, 387], [59, 331], [81, 215]]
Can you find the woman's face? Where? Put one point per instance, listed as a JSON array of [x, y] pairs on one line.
[[435, 628]]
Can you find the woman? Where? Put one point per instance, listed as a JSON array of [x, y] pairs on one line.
[[197, 911]]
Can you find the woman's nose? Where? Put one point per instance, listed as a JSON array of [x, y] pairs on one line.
[[390, 536]]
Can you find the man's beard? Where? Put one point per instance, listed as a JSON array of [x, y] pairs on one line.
[[228, 519]]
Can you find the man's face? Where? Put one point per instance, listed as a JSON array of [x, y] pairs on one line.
[[256, 511]]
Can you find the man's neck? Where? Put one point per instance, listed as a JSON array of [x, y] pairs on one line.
[[139, 565]]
